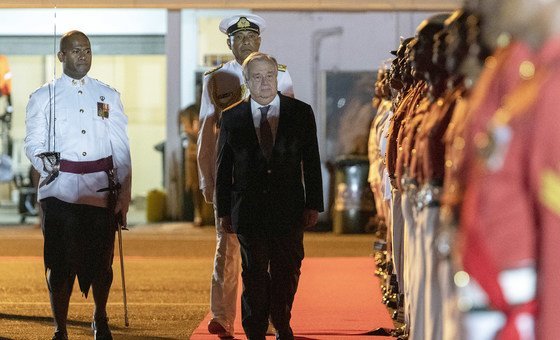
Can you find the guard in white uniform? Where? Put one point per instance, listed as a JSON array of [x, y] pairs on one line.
[[76, 138], [222, 87]]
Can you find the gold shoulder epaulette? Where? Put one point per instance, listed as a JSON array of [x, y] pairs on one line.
[[232, 105], [282, 67], [213, 70]]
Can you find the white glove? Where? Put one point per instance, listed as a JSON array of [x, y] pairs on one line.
[[51, 166]]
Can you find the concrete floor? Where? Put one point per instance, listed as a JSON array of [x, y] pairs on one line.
[[168, 270]]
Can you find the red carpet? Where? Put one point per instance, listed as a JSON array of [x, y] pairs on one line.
[[337, 298]]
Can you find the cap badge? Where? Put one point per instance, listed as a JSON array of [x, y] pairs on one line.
[[243, 23]]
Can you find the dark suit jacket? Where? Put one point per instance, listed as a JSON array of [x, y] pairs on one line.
[[261, 195]]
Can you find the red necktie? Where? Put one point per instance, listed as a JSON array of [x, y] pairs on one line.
[[266, 133]]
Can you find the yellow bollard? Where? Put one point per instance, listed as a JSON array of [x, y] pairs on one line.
[[155, 206]]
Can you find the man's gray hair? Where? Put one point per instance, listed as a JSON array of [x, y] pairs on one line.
[[257, 56]]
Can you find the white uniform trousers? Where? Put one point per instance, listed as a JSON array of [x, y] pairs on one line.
[[417, 280], [450, 314], [397, 222], [409, 212], [432, 293], [225, 277]]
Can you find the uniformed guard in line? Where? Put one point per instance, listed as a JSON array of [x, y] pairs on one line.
[[402, 82], [423, 316], [223, 87], [382, 104], [85, 132], [517, 156], [401, 101], [381, 187], [464, 56], [408, 184], [430, 148], [406, 191], [485, 317], [544, 165], [377, 179]]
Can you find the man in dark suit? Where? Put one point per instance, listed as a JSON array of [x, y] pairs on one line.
[[268, 190]]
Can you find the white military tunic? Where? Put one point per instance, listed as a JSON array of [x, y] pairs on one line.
[[79, 134], [227, 87]]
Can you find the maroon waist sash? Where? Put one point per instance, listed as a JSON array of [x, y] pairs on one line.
[[87, 167]]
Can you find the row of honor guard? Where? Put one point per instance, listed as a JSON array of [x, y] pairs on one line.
[[465, 169]]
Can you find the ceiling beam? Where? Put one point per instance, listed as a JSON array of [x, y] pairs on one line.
[[284, 5]]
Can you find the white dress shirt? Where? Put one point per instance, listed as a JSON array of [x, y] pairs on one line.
[[272, 116]]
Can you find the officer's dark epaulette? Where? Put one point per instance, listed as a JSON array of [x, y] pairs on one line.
[[282, 67], [213, 70]]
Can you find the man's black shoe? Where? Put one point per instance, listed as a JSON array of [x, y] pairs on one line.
[[59, 335], [101, 330]]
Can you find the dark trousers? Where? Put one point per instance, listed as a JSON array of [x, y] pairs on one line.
[[78, 241], [271, 269]]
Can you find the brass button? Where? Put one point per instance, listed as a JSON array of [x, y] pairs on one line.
[[527, 70], [461, 278]]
